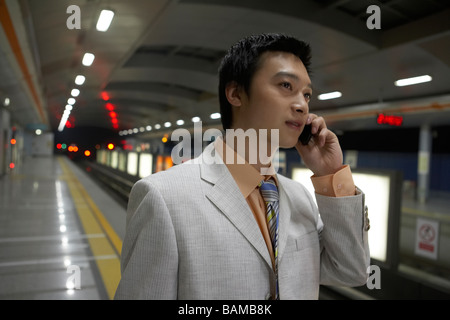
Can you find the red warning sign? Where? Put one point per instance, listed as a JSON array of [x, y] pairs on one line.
[[427, 238]]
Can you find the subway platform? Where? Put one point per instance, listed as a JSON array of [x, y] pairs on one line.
[[61, 235]]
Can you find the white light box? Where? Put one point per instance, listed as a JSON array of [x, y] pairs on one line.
[[378, 197]]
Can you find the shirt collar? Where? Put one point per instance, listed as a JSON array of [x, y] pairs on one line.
[[246, 176]]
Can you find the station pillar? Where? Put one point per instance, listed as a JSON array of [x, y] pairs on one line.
[[424, 159]]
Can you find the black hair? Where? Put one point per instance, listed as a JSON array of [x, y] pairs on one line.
[[241, 61]]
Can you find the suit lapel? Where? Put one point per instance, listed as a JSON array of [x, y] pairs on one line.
[[284, 219], [225, 195]]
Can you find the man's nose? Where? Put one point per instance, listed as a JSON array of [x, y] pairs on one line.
[[301, 106]]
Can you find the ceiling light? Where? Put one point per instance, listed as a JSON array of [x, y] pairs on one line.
[[88, 58], [411, 81], [148, 128], [180, 122], [215, 115], [157, 126], [330, 95], [6, 102], [69, 107], [71, 101], [167, 124], [105, 19], [195, 119], [75, 92], [105, 96], [79, 80]]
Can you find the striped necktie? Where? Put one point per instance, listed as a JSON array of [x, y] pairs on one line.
[[269, 192]]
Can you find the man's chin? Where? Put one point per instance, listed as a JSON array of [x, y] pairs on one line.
[[288, 144]]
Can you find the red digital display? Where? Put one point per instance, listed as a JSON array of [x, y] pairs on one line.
[[389, 119]]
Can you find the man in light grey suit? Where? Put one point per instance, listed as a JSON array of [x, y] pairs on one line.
[[199, 229]]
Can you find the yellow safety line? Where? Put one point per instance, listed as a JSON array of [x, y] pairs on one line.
[[111, 234], [94, 222]]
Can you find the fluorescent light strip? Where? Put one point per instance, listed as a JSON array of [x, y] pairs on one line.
[[79, 80], [330, 95], [88, 58], [215, 115], [179, 122], [105, 19], [63, 121], [411, 81]]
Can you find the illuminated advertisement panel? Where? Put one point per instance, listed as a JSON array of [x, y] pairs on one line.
[[382, 191], [101, 156], [122, 161], [132, 163], [145, 164], [114, 159]]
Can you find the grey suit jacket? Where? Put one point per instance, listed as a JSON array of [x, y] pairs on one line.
[[191, 235]]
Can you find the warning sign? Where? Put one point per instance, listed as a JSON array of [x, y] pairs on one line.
[[427, 235]]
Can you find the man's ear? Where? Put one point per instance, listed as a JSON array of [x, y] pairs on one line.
[[233, 94]]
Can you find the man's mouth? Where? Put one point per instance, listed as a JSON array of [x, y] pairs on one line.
[[294, 124]]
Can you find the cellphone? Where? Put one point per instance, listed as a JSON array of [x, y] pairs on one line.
[[306, 135]]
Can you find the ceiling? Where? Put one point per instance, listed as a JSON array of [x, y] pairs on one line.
[[158, 61]]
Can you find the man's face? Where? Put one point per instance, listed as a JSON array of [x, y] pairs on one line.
[[278, 98]]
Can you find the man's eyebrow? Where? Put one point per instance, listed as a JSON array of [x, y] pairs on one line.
[[287, 74], [290, 75]]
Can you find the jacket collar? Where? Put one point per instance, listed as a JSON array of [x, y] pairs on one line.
[[226, 196]]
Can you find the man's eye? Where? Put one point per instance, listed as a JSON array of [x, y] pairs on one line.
[[286, 85], [308, 96]]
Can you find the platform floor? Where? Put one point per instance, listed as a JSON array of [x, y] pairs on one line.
[[61, 234]]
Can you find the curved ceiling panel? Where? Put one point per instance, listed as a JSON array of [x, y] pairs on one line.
[[158, 61]]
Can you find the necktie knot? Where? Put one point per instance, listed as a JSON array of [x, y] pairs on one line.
[[269, 190]]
